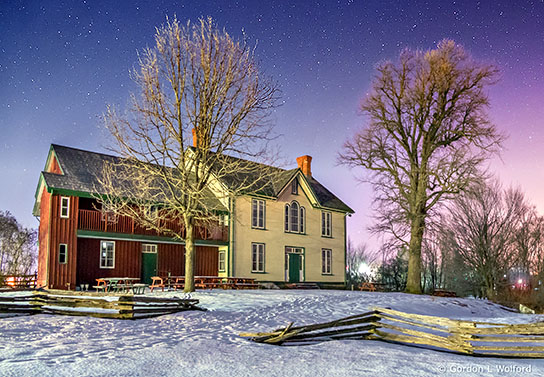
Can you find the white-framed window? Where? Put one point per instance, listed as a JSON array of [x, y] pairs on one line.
[[257, 257], [295, 218], [222, 261], [326, 224], [107, 254], [294, 187], [258, 211], [64, 207], [63, 253], [326, 261], [149, 248]]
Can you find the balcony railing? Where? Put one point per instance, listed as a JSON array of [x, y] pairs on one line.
[[103, 222]]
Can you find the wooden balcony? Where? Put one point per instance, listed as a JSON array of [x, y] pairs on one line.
[[101, 222]]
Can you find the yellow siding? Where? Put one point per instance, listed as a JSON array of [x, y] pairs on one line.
[[276, 240]]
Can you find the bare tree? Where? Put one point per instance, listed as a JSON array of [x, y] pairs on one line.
[[432, 262], [393, 271], [198, 86], [360, 261], [480, 227], [428, 132], [17, 246], [529, 242]]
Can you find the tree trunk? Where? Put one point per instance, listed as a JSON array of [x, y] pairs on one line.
[[489, 288], [189, 256], [413, 283]]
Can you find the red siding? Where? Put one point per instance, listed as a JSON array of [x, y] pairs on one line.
[[43, 237], [206, 261], [63, 230], [54, 166], [127, 260], [170, 259]]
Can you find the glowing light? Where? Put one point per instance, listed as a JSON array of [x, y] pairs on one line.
[[10, 281], [364, 269], [520, 281]]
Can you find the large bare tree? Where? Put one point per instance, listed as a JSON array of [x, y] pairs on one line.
[[197, 85], [428, 132]]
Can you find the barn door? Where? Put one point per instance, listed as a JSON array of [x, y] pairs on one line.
[[149, 262], [294, 268]]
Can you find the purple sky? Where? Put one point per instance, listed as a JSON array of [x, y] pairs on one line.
[[62, 62]]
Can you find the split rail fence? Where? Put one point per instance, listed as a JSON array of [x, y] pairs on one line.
[[93, 304], [457, 336]]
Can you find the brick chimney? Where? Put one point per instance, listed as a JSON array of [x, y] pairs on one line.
[[195, 138], [305, 164]]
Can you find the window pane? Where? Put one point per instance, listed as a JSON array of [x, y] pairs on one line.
[[287, 217], [302, 219], [322, 223], [261, 258], [64, 203], [294, 217], [261, 214], [323, 261], [254, 214], [62, 253], [254, 257]]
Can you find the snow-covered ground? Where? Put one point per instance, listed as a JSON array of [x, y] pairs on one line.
[[196, 343]]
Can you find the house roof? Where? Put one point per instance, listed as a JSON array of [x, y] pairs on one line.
[[277, 179], [247, 176], [83, 170]]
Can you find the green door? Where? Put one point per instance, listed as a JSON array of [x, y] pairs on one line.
[[149, 267], [294, 268]]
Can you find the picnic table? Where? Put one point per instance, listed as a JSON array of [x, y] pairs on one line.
[[122, 284], [210, 282], [444, 293], [241, 283], [371, 286], [203, 282], [167, 282]]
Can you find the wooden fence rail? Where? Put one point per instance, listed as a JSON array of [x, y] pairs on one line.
[[18, 281], [464, 337], [94, 304]]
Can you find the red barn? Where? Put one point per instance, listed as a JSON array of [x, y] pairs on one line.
[[79, 243]]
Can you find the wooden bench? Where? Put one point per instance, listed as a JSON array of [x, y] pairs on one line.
[[18, 281], [156, 282], [101, 285], [178, 283], [444, 293], [138, 288], [246, 286], [368, 286]]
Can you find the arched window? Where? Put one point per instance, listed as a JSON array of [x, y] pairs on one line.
[[294, 217]]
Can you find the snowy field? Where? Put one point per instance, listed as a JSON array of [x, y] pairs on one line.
[[196, 343]]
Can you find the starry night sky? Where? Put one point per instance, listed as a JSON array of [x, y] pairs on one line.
[[62, 62]]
